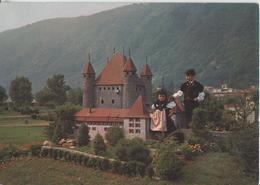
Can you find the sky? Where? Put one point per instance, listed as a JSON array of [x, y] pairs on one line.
[[14, 15]]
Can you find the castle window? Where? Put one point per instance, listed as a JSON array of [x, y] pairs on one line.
[[108, 88], [117, 88], [93, 128], [113, 101], [104, 88], [138, 131], [131, 119], [100, 88], [102, 101], [137, 119], [137, 125], [113, 88], [131, 131], [131, 125]]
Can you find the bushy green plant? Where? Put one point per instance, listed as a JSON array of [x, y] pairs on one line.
[[132, 150], [186, 150], [140, 169], [244, 144], [113, 135], [168, 165], [83, 137], [105, 164], [116, 166], [99, 145], [85, 160], [149, 171], [44, 152], [35, 150]]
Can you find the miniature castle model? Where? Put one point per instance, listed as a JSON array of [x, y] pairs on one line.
[[117, 97]]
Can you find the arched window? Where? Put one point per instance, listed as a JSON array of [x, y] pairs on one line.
[[102, 101], [113, 101]]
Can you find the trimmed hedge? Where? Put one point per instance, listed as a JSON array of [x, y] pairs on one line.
[[131, 168]]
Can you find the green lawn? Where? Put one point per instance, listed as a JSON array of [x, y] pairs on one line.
[[9, 113], [20, 129], [20, 121], [21, 134], [210, 169]]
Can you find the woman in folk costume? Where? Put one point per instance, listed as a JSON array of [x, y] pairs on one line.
[[161, 114]]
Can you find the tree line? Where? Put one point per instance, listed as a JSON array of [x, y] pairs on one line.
[[55, 92]]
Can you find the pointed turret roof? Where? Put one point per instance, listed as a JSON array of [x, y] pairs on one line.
[[146, 71], [113, 71], [88, 69], [129, 66], [138, 109]]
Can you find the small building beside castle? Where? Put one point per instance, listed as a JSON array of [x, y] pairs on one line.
[[117, 97]]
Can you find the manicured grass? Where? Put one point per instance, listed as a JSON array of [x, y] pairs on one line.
[[210, 169], [9, 113], [21, 134], [21, 121]]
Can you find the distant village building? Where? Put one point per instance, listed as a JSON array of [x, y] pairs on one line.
[[225, 91], [117, 97]]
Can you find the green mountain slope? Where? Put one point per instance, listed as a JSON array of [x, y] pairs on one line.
[[219, 40]]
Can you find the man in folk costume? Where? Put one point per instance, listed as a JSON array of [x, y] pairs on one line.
[[193, 94]]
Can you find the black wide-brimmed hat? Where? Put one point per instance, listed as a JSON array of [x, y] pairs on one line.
[[190, 72]]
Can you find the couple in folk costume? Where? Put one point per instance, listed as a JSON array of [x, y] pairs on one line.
[[163, 112]]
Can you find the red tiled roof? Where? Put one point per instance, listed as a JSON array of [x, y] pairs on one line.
[[112, 73], [88, 69], [138, 109], [146, 71], [112, 114], [129, 66]]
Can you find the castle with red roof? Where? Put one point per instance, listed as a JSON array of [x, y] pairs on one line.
[[117, 97]]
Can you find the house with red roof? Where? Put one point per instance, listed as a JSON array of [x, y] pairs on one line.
[[117, 97]]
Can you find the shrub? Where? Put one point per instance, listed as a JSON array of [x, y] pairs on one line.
[[83, 135], [85, 160], [124, 169], [116, 167], [168, 165], [198, 123], [54, 154], [179, 136], [44, 152], [105, 164], [35, 150], [79, 158], [114, 134], [140, 169], [149, 171], [60, 154], [196, 140], [133, 150], [99, 145], [245, 144], [91, 162], [132, 168], [74, 157], [186, 150]]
